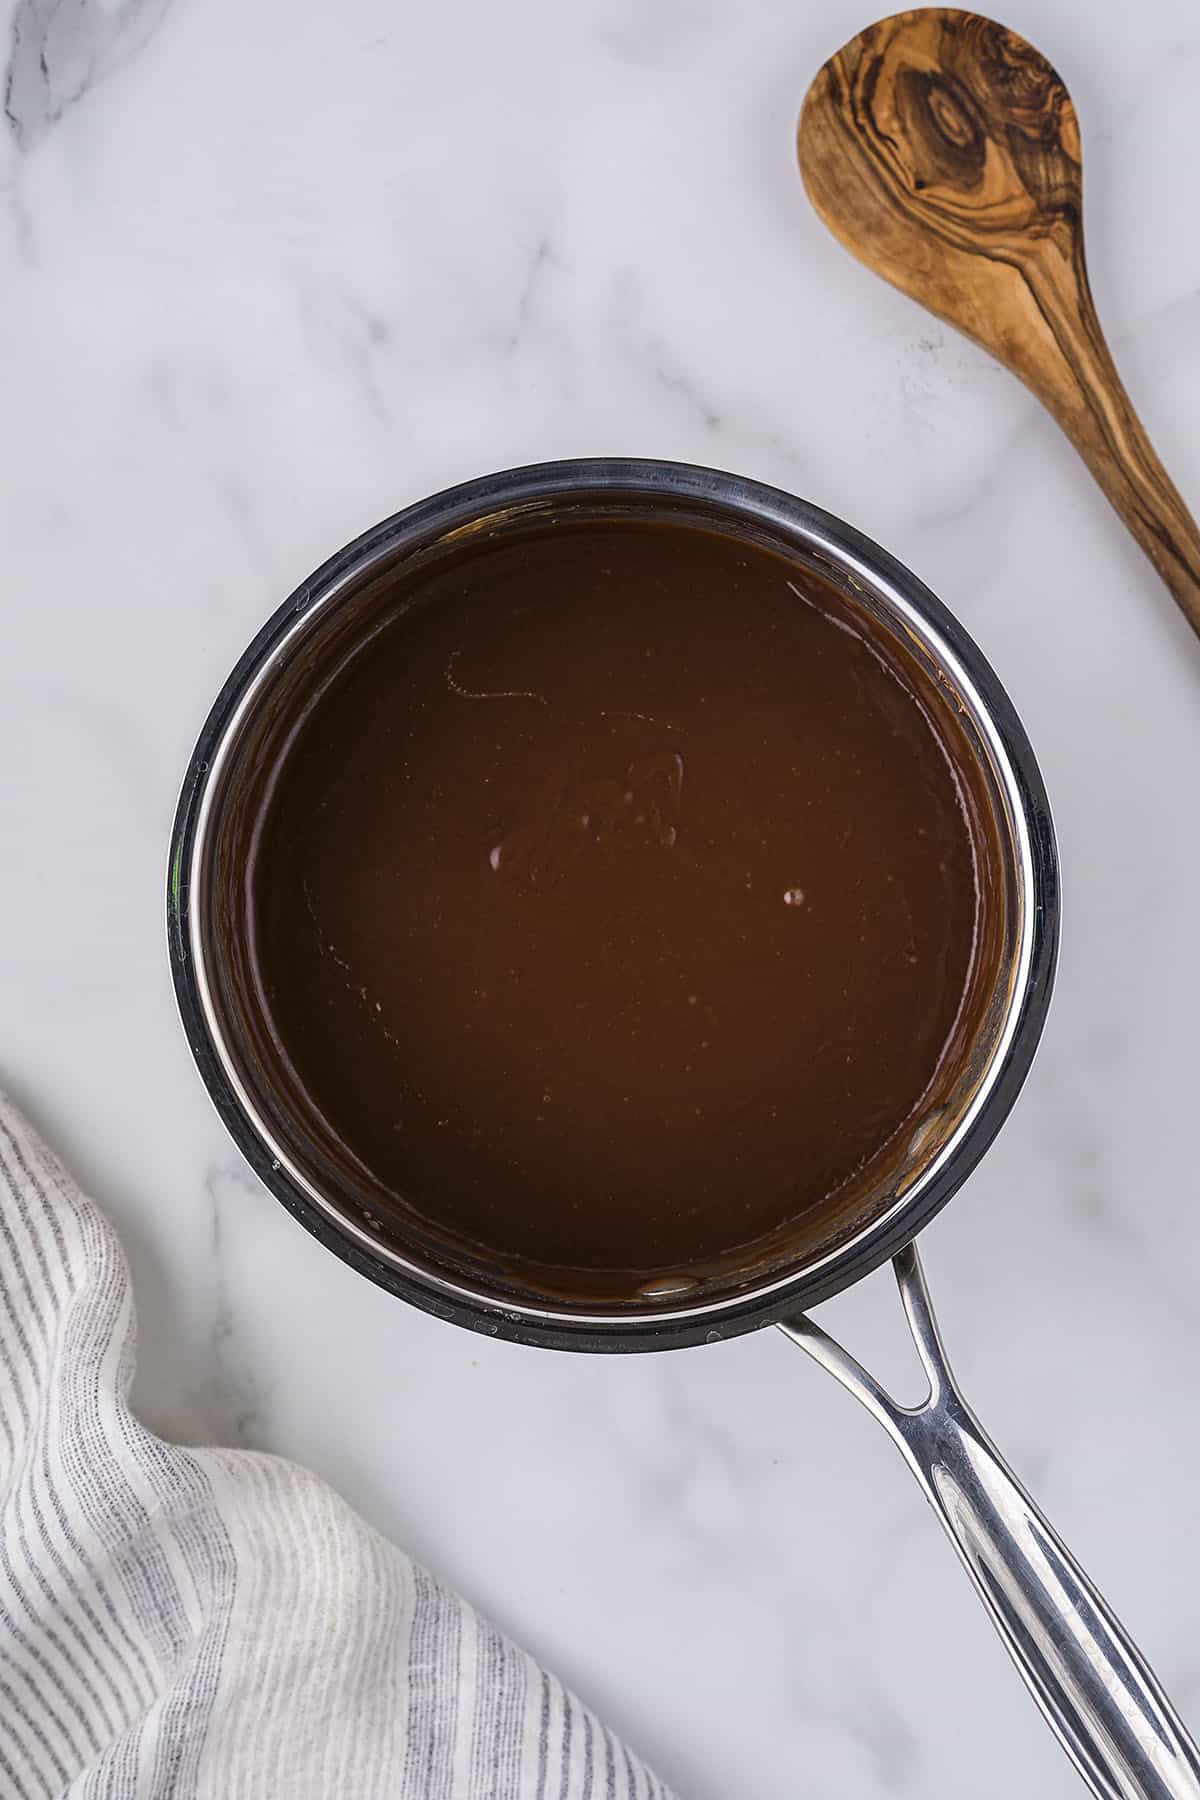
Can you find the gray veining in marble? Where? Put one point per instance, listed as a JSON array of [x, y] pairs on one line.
[[267, 273]]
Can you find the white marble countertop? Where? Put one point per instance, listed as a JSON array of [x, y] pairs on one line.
[[269, 272]]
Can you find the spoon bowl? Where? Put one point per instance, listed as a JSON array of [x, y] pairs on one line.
[[943, 151]]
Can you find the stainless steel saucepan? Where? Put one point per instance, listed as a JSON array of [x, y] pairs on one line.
[[1081, 1667]]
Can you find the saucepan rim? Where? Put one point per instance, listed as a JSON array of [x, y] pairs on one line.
[[861, 561]]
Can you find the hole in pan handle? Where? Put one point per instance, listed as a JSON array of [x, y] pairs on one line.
[[1090, 1680]]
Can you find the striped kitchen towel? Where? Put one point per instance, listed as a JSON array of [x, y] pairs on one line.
[[217, 1622]]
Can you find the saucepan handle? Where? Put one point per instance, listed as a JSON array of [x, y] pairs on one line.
[[1078, 1662]]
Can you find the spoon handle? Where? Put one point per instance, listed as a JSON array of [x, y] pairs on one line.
[[1080, 1665], [1069, 366]]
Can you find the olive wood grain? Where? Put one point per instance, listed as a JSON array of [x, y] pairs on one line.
[[943, 151]]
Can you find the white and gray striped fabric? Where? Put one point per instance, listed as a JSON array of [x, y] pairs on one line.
[[214, 1622]]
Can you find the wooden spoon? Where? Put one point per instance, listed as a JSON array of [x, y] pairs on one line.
[[943, 150]]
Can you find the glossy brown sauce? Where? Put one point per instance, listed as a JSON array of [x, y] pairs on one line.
[[620, 904]]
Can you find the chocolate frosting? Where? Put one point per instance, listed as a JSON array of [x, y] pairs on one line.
[[614, 908]]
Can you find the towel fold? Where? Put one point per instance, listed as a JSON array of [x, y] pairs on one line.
[[178, 1622]]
